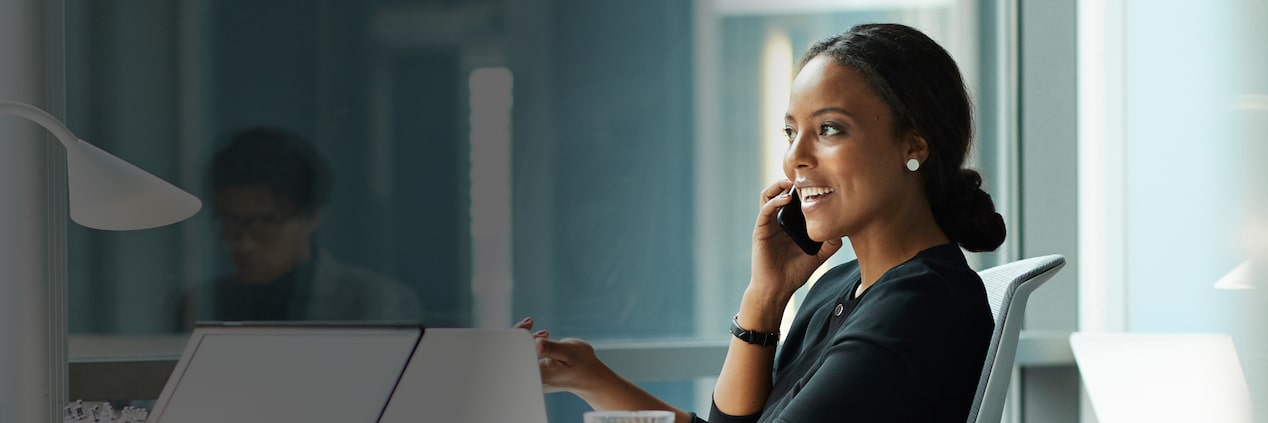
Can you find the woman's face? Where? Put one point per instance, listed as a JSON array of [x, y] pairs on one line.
[[843, 154]]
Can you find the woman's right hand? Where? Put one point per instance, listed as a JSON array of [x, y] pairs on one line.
[[567, 365], [780, 267], [571, 365]]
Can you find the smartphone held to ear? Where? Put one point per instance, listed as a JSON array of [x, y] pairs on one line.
[[794, 223]]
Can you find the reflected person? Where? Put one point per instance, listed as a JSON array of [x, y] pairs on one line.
[[269, 187], [878, 126]]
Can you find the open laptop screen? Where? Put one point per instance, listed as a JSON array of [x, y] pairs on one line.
[[1134, 377], [286, 373], [470, 376]]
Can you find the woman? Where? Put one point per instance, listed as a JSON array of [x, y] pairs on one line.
[[878, 126]]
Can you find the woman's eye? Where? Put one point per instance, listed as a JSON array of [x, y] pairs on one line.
[[828, 130], [789, 134]]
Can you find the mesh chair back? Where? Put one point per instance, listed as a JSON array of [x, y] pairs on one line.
[[1008, 286]]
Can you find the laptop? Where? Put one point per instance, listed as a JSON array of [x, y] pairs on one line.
[[1162, 377], [470, 375], [267, 372]]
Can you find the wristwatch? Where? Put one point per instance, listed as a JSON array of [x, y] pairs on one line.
[[755, 338]]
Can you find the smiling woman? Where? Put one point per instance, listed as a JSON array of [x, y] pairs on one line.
[[878, 126]]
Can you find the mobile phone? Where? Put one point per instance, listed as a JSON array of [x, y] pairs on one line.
[[794, 223]]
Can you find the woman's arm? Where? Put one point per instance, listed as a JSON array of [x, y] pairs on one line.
[[745, 380]]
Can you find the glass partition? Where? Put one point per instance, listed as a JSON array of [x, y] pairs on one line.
[[462, 163]]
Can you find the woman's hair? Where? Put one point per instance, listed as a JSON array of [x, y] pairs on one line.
[[279, 160], [925, 93]]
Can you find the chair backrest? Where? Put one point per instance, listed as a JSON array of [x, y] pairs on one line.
[[1008, 286]]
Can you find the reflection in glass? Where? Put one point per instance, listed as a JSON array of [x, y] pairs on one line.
[[269, 188]]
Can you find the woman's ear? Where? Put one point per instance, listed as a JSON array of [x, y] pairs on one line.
[[916, 147]]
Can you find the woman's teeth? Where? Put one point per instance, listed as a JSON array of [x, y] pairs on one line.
[[809, 193]]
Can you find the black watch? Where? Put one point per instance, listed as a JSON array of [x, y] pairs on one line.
[[755, 338]]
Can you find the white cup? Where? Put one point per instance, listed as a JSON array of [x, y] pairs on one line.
[[647, 416]]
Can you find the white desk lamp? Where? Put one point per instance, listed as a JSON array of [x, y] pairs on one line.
[[104, 192]]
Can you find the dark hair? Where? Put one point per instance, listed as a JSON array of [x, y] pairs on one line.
[[924, 90], [281, 161]]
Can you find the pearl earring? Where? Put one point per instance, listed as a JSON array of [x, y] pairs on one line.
[[913, 165]]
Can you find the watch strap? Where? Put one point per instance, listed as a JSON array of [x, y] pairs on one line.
[[756, 338]]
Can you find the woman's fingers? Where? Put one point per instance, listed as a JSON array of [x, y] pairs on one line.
[[526, 324], [773, 190], [566, 364], [773, 205], [567, 350], [552, 372], [775, 195]]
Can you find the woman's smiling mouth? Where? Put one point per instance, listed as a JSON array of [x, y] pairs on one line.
[[813, 193]]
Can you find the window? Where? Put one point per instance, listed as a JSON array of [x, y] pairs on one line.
[[1181, 201], [592, 164]]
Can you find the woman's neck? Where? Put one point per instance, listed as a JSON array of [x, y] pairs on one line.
[[893, 241]]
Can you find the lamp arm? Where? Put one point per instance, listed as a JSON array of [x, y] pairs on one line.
[[38, 115]]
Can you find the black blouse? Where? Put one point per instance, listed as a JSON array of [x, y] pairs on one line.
[[911, 348]]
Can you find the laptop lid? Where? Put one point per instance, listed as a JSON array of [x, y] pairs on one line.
[[281, 372], [470, 376], [1162, 378]]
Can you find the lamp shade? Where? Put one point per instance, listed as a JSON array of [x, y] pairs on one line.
[[1241, 277], [109, 193], [105, 191]]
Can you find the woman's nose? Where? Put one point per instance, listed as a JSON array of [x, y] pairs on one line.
[[800, 153]]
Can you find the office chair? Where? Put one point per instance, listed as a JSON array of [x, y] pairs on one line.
[[1008, 286]]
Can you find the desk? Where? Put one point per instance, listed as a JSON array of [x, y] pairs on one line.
[[106, 368]]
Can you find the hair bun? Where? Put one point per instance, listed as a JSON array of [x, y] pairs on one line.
[[968, 216]]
